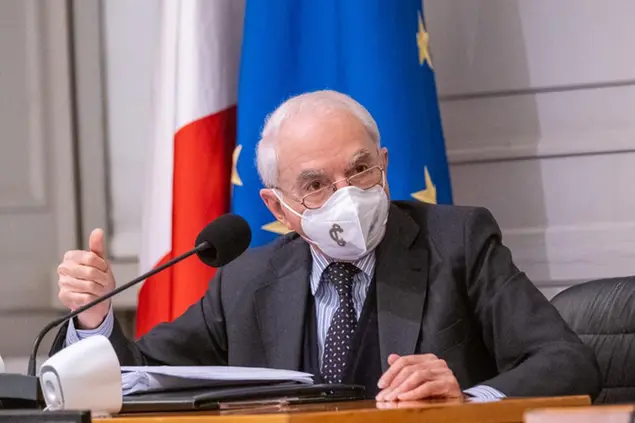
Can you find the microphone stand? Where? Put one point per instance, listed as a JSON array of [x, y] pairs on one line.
[[24, 391]]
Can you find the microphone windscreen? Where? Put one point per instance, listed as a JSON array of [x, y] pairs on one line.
[[227, 237]]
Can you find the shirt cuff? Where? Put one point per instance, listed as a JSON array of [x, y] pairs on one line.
[[484, 393], [75, 335]]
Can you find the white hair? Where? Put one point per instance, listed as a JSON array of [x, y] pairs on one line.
[[312, 102]]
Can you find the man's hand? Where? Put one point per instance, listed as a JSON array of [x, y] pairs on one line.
[[84, 276], [415, 377]]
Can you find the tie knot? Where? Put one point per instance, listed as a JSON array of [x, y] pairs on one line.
[[341, 275]]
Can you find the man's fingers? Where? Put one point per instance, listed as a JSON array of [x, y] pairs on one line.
[[87, 258], [392, 372], [427, 369], [404, 374], [86, 273], [415, 378], [434, 388], [400, 363], [392, 358], [74, 285], [406, 381]]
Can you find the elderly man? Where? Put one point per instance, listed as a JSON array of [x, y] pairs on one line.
[[408, 299]]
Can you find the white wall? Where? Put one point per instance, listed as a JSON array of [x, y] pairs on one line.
[[538, 103], [538, 106]]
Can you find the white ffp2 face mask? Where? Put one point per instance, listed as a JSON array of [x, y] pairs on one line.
[[350, 224]]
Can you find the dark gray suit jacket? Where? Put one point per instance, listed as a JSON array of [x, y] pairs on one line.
[[445, 285]]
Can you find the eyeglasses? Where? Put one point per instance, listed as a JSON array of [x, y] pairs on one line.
[[365, 179]]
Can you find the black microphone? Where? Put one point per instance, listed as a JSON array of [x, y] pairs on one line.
[[220, 242]]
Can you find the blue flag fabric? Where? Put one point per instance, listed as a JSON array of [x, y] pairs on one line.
[[377, 52]]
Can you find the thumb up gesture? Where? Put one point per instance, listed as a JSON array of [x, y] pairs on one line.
[[84, 276]]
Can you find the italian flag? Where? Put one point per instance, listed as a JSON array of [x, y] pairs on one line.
[[190, 162]]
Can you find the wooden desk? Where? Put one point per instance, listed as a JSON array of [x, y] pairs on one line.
[[506, 411]]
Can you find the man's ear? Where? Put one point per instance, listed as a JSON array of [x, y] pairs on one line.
[[274, 205]]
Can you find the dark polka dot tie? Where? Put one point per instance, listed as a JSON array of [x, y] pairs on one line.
[[339, 337]]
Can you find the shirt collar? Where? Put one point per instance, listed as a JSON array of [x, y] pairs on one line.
[[320, 262]]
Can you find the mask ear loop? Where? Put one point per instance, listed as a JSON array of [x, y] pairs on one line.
[[383, 188], [383, 178], [279, 197]]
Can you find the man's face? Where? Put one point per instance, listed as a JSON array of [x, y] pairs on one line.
[[315, 151]]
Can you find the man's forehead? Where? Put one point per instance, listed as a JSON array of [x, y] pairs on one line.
[[322, 142], [319, 123]]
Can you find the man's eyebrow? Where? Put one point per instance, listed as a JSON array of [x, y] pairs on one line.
[[309, 174], [361, 156]]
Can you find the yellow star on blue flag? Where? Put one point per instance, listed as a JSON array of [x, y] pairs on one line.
[[235, 178], [429, 194], [423, 39], [276, 228]]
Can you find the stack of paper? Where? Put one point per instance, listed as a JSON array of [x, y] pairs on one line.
[[138, 379]]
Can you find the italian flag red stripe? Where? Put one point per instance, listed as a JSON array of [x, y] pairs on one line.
[[191, 161]]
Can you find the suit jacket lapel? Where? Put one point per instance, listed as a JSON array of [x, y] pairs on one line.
[[281, 305], [401, 278]]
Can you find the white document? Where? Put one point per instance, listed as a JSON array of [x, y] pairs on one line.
[[136, 379]]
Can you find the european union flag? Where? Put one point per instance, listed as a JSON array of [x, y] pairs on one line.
[[377, 52]]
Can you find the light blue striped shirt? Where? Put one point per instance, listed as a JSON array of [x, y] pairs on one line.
[[326, 303], [74, 335]]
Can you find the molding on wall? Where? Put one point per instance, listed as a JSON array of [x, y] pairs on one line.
[[88, 69], [471, 95], [37, 94], [615, 142], [60, 132], [540, 125]]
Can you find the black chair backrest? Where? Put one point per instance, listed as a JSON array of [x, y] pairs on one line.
[[602, 313]]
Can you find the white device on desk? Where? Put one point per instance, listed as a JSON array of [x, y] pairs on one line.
[[83, 376], [1, 365]]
